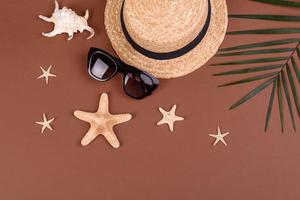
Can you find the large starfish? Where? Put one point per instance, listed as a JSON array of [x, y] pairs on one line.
[[102, 123]]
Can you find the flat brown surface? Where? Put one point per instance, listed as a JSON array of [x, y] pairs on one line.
[[151, 163]]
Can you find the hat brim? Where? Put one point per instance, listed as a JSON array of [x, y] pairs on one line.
[[171, 68]]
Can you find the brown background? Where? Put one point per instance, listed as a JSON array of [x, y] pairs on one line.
[[151, 163]]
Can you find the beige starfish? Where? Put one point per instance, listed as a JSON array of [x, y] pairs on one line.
[[102, 123], [169, 117], [46, 74], [219, 137], [45, 123]]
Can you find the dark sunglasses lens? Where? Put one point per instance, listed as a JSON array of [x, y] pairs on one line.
[[102, 66], [135, 84]]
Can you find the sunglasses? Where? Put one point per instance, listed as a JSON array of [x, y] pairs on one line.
[[136, 83]]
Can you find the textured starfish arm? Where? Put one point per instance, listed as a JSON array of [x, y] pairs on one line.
[[224, 142], [211, 135], [103, 104], [111, 137], [163, 112], [161, 122], [43, 126], [173, 109], [39, 123], [179, 118], [41, 76], [171, 126], [225, 134], [43, 129], [84, 116], [121, 118], [89, 136], [216, 142]]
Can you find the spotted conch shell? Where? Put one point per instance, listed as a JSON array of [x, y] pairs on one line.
[[67, 21]]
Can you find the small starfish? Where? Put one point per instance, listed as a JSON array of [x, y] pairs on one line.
[[219, 137], [169, 117], [46, 123], [102, 123], [46, 74]]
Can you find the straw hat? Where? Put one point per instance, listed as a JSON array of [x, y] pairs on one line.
[[167, 38]]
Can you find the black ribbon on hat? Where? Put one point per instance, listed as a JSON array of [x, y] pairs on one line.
[[172, 54]]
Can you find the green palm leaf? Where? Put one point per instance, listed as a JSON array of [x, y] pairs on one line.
[[271, 101], [250, 79], [253, 93], [255, 52], [280, 2], [269, 17], [293, 88], [252, 61], [282, 79], [288, 98], [261, 44], [266, 31], [296, 69], [249, 70], [280, 104], [298, 51]]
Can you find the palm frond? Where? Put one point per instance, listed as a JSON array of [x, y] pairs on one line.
[[288, 99], [280, 3], [280, 104], [253, 93], [253, 61], [249, 70], [296, 69], [261, 44], [285, 18], [282, 75], [250, 79], [293, 88], [298, 52], [270, 107], [266, 31], [256, 52]]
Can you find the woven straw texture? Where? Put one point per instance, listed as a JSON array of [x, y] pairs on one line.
[[164, 26]]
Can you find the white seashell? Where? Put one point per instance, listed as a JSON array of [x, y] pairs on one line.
[[67, 21]]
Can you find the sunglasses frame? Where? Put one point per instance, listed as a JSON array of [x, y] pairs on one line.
[[123, 68]]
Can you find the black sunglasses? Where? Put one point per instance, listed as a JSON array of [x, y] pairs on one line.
[[136, 83]]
